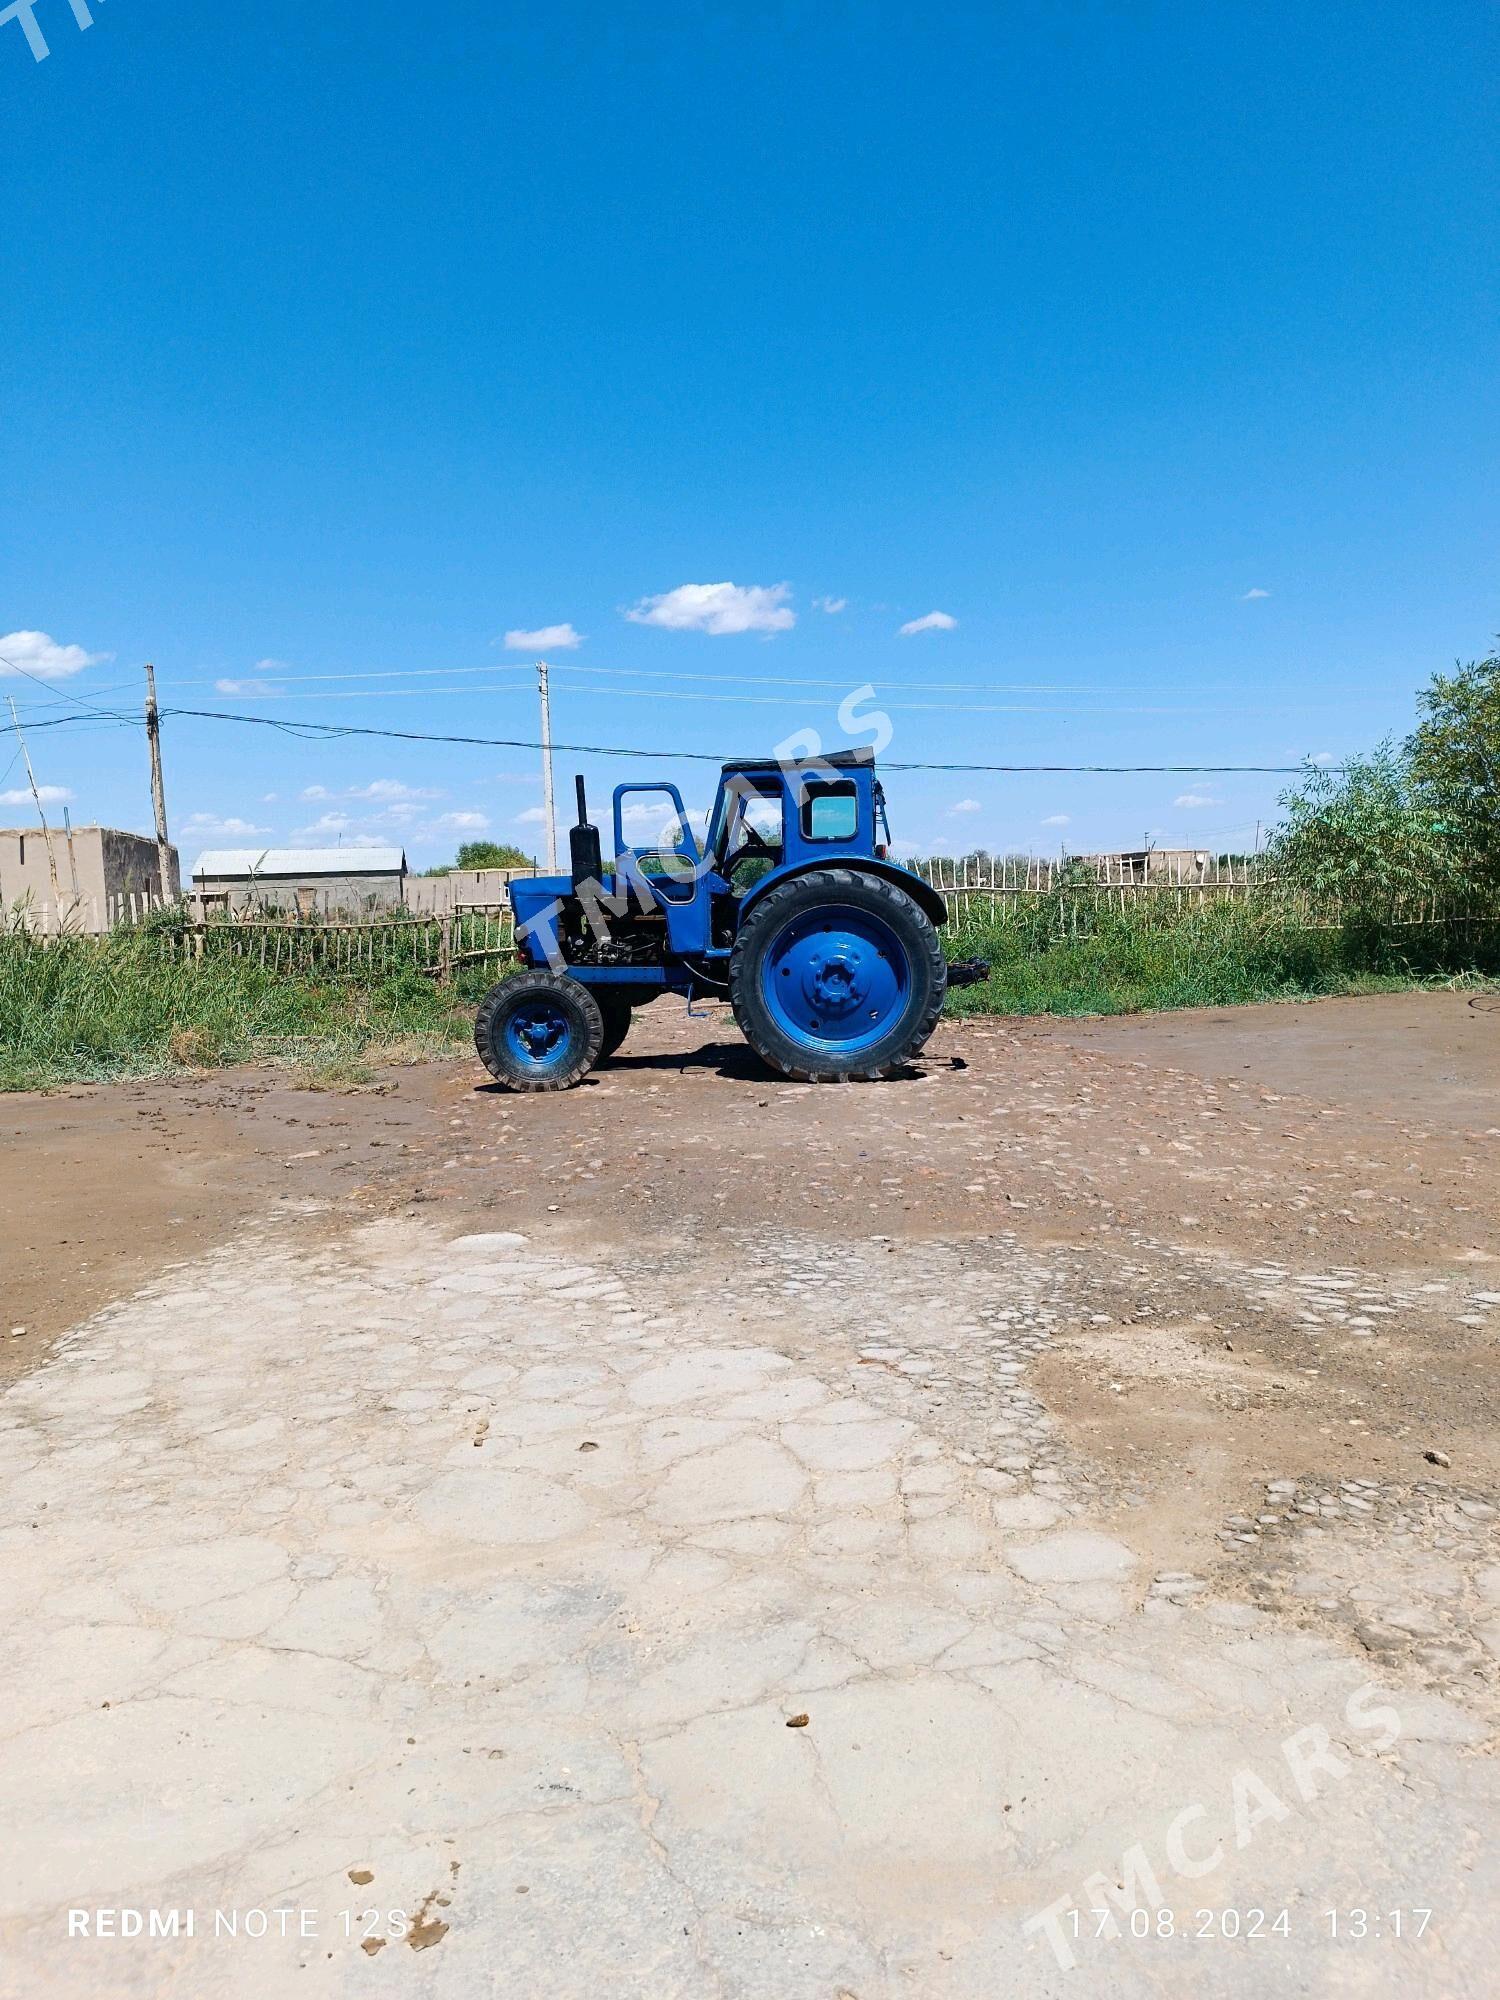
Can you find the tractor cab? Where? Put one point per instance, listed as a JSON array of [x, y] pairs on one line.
[[770, 816], [788, 905]]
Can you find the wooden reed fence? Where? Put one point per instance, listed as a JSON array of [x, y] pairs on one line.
[[373, 946], [1162, 885], [1069, 898], [394, 941], [77, 916], [1030, 875]]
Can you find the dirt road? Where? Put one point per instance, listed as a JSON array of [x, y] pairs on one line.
[[704, 1535]]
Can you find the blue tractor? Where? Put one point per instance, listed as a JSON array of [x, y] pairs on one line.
[[790, 908]]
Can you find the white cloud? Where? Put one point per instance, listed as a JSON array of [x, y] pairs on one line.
[[832, 605], [1249, 596], [533, 816], [659, 820], [50, 795], [718, 608], [40, 654], [1322, 757], [935, 621], [260, 679], [1192, 799], [1058, 819], [389, 792], [964, 806], [210, 826], [398, 823], [545, 639]]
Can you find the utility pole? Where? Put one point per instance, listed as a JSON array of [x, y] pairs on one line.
[[158, 792], [37, 800], [542, 690]]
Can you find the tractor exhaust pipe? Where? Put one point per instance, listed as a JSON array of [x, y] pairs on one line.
[[583, 845]]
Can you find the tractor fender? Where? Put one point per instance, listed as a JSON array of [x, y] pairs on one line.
[[922, 893]]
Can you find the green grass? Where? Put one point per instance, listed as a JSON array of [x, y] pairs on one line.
[[1084, 957], [129, 1005], [86, 1008]]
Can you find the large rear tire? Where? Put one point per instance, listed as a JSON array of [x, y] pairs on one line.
[[837, 974], [538, 1031]]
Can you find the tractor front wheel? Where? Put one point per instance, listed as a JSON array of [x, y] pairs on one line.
[[538, 1031], [837, 974]]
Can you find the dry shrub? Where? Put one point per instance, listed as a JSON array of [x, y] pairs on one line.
[[194, 1048]]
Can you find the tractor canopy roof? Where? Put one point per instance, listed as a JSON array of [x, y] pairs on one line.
[[841, 760]]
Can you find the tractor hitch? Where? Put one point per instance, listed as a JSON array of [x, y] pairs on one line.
[[968, 971]]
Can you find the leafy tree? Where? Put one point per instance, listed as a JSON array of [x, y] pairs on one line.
[[1362, 835], [485, 854], [1454, 754], [1077, 871]]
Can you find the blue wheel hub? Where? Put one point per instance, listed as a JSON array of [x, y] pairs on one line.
[[836, 977], [538, 1033]]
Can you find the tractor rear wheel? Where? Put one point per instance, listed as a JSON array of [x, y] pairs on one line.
[[538, 1031], [837, 973]]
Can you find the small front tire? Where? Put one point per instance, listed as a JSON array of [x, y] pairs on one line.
[[539, 1031]]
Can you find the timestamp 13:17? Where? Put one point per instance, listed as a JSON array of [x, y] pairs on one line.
[[1356, 1924]]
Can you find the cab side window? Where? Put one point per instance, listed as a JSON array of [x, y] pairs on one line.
[[830, 812], [756, 840]]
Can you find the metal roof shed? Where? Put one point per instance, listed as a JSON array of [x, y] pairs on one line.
[[280, 863], [314, 881]]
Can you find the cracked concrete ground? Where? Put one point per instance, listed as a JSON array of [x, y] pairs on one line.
[[671, 1594]]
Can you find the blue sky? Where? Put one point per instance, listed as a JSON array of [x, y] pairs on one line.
[[1152, 345]]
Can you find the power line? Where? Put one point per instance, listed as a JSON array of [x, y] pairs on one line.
[[29, 708], [271, 675], [101, 718], [797, 680], [327, 729], [50, 686], [734, 699], [255, 683]]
